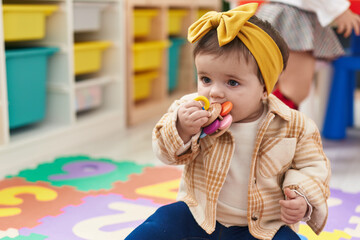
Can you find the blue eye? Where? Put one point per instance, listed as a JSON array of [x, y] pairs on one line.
[[205, 79], [233, 83]]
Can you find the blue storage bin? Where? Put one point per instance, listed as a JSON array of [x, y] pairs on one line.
[[26, 72], [174, 56]]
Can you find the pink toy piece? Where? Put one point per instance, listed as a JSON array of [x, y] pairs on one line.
[[212, 127], [226, 122], [219, 132]]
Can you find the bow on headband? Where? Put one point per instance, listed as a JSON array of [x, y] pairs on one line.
[[234, 23]]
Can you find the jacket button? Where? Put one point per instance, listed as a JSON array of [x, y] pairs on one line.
[[254, 217]]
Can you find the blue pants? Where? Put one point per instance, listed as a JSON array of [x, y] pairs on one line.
[[175, 222]]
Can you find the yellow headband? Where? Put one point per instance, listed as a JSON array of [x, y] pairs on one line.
[[235, 23]]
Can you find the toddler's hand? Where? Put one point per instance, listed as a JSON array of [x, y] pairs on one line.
[[294, 208], [191, 117], [347, 22]]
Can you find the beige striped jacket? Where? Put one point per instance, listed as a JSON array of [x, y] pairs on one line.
[[288, 153]]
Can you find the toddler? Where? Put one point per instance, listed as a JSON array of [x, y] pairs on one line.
[[262, 176]]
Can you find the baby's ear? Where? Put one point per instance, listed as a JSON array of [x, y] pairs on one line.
[[265, 94]]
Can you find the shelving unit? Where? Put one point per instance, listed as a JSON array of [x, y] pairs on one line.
[[63, 126], [4, 136], [160, 97]]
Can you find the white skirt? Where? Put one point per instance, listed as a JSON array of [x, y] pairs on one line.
[[301, 30]]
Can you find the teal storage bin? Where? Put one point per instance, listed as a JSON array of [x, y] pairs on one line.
[[26, 72], [174, 56]]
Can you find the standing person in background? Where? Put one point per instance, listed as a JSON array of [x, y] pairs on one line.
[[306, 27]]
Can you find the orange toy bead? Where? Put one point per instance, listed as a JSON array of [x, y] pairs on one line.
[[226, 108]]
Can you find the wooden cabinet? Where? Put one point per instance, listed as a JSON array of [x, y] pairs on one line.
[[160, 95]]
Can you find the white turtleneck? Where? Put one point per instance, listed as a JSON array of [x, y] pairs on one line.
[[232, 202]]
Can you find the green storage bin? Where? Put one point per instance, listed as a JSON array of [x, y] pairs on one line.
[[174, 56], [26, 72]]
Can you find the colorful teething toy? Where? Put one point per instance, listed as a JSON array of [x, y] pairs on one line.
[[220, 119]]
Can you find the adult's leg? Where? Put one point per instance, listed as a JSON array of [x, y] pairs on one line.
[[295, 82], [286, 233], [170, 222]]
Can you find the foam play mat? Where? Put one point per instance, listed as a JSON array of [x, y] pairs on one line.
[[80, 197]]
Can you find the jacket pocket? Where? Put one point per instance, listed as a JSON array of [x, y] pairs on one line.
[[276, 155]]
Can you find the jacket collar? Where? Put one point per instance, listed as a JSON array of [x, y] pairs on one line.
[[277, 107]]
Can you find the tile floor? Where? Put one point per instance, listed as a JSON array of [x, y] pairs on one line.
[[345, 161]]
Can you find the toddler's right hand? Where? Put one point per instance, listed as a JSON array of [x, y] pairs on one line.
[[347, 22], [190, 119]]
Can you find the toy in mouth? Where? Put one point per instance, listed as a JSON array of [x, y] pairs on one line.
[[220, 119]]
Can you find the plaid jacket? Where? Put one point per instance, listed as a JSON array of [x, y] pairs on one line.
[[288, 153]]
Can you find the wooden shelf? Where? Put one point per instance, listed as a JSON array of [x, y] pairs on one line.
[[161, 98]]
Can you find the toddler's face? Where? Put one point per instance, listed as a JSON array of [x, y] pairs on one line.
[[228, 78]]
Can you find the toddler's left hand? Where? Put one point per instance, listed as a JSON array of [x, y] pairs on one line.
[[294, 208]]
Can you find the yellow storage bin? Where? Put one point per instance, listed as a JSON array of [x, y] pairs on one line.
[[142, 21], [25, 22], [201, 12], [175, 21], [149, 55], [88, 56], [143, 83]]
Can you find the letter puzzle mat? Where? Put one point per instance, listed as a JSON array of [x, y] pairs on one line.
[[80, 197]]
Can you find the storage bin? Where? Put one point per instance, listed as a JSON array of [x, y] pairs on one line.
[[26, 71], [176, 21], [25, 22], [148, 55], [142, 21], [87, 16], [174, 56], [88, 98], [201, 12], [143, 84], [88, 56]]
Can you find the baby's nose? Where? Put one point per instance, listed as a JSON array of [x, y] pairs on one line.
[[217, 92]]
